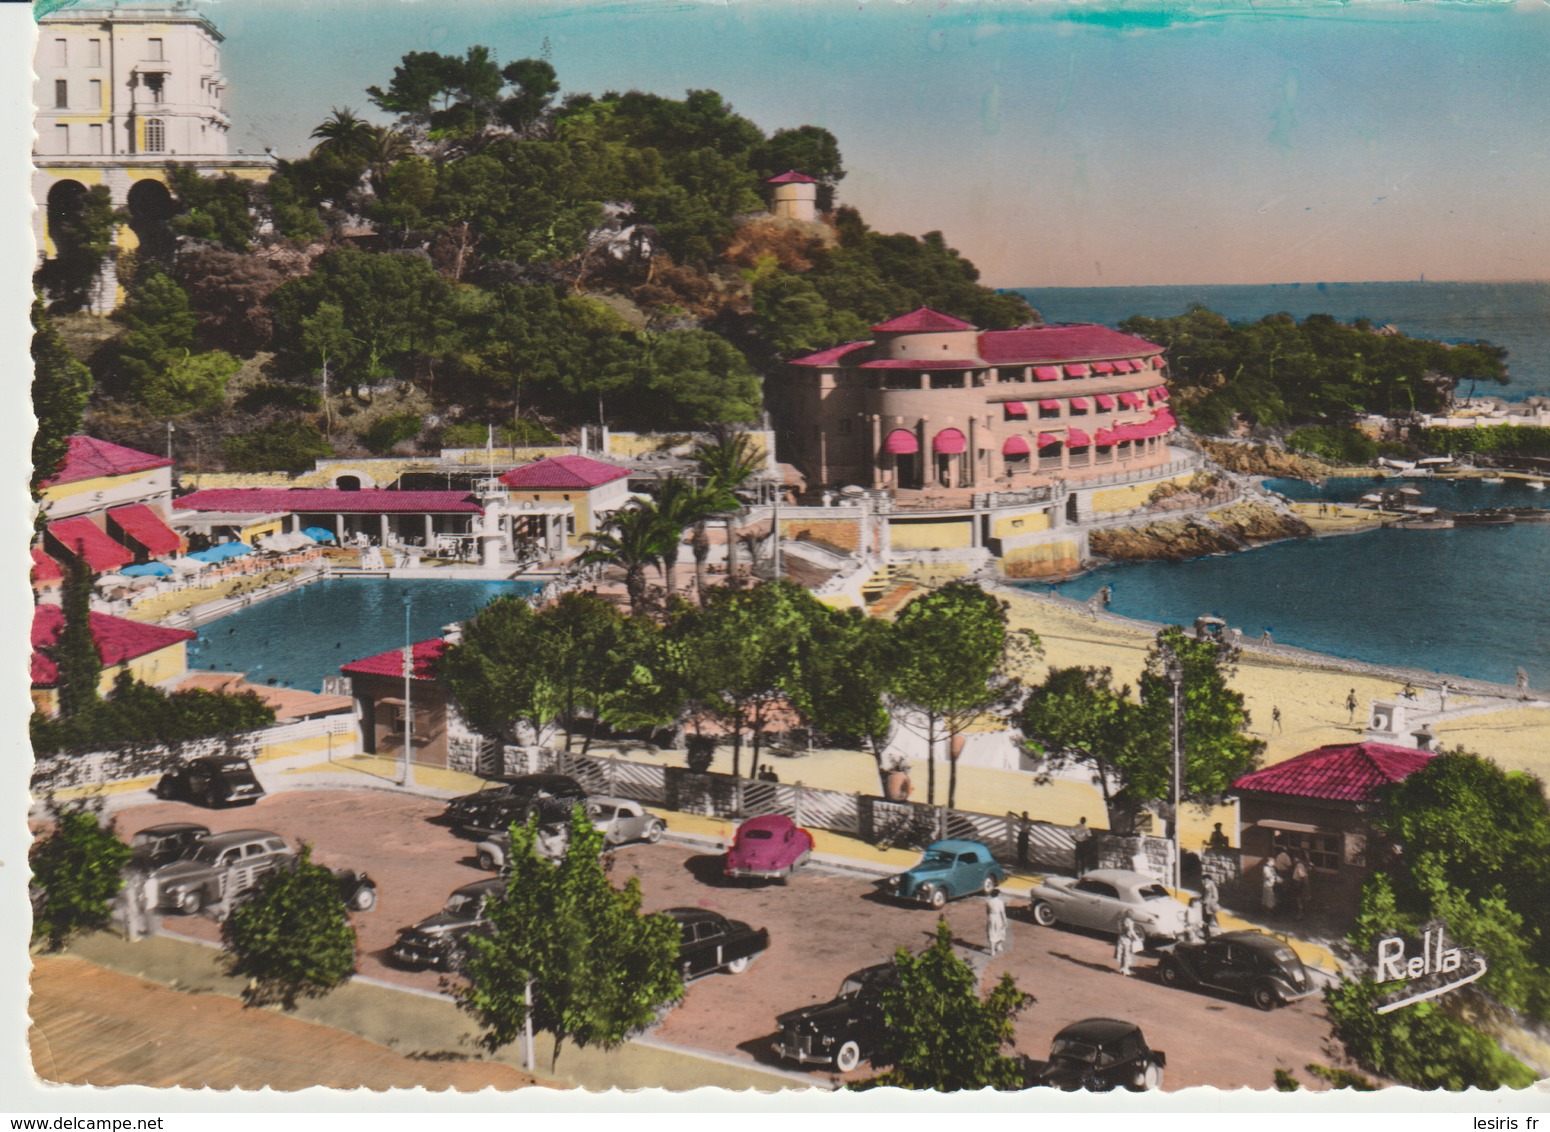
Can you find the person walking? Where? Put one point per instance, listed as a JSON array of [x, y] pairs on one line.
[[1522, 684], [995, 923], [1275, 719], [1267, 888], [1302, 885], [1127, 943], [1350, 706], [1210, 904]]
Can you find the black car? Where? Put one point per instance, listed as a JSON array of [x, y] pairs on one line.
[[213, 780], [356, 889], [1257, 966], [711, 942], [844, 1031], [159, 844], [439, 941], [498, 804], [1100, 1054]]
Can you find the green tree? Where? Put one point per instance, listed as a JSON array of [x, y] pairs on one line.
[[495, 672], [844, 666], [567, 952], [452, 97], [60, 389], [950, 651], [186, 382], [344, 131], [77, 866], [159, 324], [1077, 716], [938, 1033], [215, 209], [633, 538], [726, 463], [692, 376], [292, 937], [75, 651], [81, 229], [811, 150], [282, 445]]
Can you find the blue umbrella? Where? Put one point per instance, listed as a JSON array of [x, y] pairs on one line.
[[147, 570], [319, 534], [222, 552]]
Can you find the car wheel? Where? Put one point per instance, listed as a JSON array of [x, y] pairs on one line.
[[452, 959], [1044, 914], [936, 897], [487, 861], [1264, 996], [654, 834], [1168, 972], [988, 885], [739, 965], [847, 1057], [1153, 1078], [365, 898], [190, 902]]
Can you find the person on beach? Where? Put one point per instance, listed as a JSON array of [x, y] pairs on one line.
[[1267, 888], [995, 923], [1523, 692], [1408, 691], [1442, 697], [1350, 706], [1127, 943], [1275, 719]]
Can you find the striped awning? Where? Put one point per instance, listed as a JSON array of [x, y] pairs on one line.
[[901, 442], [1014, 446], [1046, 373], [948, 442]]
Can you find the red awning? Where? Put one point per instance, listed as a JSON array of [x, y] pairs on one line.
[[1014, 408], [147, 528], [1157, 362], [901, 442], [948, 442], [44, 568], [1106, 437], [1104, 401], [1080, 403], [1103, 367], [1076, 438], [1014, 446], [1052, 406], [1160, 393], [81, 536], [1047, 373], [1077, 371], [1131, 399], [1048, 440]]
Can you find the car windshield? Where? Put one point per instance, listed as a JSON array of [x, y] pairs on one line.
[[937, 857], [850, 988], [757, 835], [1285, 955], [1069, 1050], [462, 904], [207, 853], [603, 813], [1153, 892]]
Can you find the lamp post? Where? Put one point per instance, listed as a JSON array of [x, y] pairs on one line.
[[1174, 670], [408, 776]]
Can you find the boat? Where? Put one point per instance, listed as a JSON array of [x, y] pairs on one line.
[[1493, 479], [1531, 514], [1537, 485], [1490, 517], [1420, 523]]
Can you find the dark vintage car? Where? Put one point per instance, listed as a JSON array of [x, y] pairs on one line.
[[1259, 967], [844, 1031], [1100, 1054], [768, 847], [711, 942], [947, 870], [158, 844], [492, 809], [440, 941], [213, 780], [356, 889], [222, 868]]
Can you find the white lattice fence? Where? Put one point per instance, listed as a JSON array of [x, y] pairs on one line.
[[638, 781], [826, 809]]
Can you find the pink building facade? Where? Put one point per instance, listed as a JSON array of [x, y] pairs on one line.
[[934, 402]]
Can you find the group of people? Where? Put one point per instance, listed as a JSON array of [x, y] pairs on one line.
[[1287, 880]]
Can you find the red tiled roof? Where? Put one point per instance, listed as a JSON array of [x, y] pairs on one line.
[[833, 356], [1060, 344], [792, 177], [923, 364], [147, 528], [88, 458], [118, 640], [44, 568], [374, 500], [924, 319], [80, 536], [1343, 772], [563, 473], [427, 656]]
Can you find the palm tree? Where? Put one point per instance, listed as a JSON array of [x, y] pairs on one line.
[[633, 538], [681, 505], [386, 149], [727, 463], [345, 133]]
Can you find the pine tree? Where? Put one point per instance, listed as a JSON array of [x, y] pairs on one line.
[[75, 652], [60, 387]]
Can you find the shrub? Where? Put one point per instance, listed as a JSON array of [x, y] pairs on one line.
[[700, 752], [287, 446], [1333, 443], [280, 395], [77, 869], [389, 432]]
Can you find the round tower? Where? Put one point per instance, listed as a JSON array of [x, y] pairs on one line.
[[795, 196]]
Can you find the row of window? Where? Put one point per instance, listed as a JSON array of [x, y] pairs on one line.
[[155, 51], [96, 141]]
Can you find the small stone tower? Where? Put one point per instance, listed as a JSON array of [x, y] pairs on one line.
[[796, 196]]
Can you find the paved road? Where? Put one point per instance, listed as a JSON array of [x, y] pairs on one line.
[[823, 925]]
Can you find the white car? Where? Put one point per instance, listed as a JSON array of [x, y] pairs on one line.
[[618, 819], [1100, 899]]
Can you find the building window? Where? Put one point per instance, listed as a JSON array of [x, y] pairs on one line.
[[62, 139], [155, 135], [1322, 849], [153, 85], [952, 379], [61, 53], [94, 52], [153, 51], [96, 138], [96, 94], [61, 94]]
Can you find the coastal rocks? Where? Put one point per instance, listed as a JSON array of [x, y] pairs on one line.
[[1263, 460], [1234, 528], [1260, 522]]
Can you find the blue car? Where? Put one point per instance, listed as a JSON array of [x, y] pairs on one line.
[[948, 869]]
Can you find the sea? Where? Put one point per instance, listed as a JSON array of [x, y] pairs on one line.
[[1472, 601]]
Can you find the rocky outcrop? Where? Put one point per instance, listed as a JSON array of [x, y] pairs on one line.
[[1265, 460], [1234, 528]]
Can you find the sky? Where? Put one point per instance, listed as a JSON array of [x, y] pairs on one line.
[[1054, 144]]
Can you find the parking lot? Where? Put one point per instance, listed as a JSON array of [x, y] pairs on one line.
[[823, 925]]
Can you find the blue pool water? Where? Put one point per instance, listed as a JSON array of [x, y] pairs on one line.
[[297, 639], [1469, 601]]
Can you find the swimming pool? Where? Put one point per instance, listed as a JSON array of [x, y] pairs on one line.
[[297, 639]]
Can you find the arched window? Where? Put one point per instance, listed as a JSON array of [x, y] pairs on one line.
[[155, 135]]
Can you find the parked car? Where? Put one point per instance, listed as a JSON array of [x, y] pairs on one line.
[[1100, 899], [222, 868], [622, 820], [158, 844], [711, 942], [771, 846], [1099, 1054], [356, 889], [213, 780], [947, 870], [493, 808], [1259, 967], [440, 941], [846, 1030], [550, 844]]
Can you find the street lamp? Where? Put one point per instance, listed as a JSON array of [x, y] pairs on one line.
[[408, 775], [1174, 670]]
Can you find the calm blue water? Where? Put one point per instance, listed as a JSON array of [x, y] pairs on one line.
[[1514, 315], [297, 639]]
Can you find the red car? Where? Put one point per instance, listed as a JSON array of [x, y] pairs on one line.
[[769, 847]]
